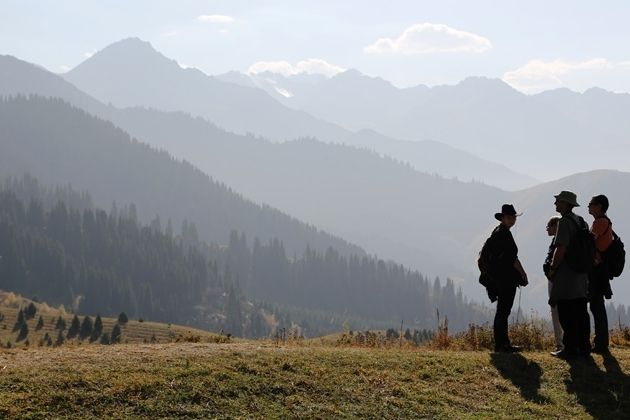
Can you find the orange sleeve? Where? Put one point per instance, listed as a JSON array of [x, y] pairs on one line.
[[600, 226]]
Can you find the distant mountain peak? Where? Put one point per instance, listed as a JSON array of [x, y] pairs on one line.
[[129, 52], [355, 75], [487, 85]]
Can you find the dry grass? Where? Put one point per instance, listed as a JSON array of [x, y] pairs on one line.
[[261, 380], [132, 332]]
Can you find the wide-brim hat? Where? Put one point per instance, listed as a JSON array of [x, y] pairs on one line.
[[568, 197], [507, 210]]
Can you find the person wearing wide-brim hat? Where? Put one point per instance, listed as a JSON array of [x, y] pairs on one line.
[[506, 272], [569, 289]]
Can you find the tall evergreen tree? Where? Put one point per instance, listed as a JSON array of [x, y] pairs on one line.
[[98, 328], [30, 311], [40, 323], [75, 327], [23, 332], [19, 321], [86, 328], [60, 338], [61, 324], [116, 334]]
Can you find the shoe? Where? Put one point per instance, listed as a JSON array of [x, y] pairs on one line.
[[563, 354]]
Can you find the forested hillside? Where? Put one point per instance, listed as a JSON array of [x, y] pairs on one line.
[[63, 145], [57, 247], [366, 288], [97, 262]]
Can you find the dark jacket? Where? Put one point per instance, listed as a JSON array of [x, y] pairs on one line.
[[504, 252]]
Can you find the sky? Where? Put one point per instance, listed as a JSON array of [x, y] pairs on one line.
[[532, 45]]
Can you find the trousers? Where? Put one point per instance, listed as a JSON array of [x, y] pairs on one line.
[[576, 325], [505, 301]]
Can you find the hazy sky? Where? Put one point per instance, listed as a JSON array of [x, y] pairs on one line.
[[533, 45]]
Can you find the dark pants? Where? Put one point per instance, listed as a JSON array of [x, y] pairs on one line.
[[576, 325], [598, 289], [600, 319], [504, 307]]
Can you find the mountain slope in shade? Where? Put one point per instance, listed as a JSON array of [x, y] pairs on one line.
[[62, 145], [131, 73]]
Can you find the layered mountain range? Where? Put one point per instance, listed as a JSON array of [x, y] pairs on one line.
[[548, 135], [404, 209]]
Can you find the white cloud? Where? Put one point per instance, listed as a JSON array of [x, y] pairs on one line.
[[311, 66], [216, 19], [429, 38], [538, 75]]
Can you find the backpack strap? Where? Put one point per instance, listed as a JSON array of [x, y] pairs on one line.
[[609, 226]]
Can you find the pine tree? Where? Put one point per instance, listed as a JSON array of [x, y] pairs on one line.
[[40, 323], [21, 319], [30, 311], [61, 324], [105, 338], [23, 332], [75, 327], [98, 328], [122, 318], [60, 339], [407, 334], [86, 328], [234, 318], [116, 334]]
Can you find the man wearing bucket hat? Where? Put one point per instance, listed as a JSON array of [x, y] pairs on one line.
[[569, 288], [506, 273]]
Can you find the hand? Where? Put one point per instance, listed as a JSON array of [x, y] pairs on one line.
[[524, 281]]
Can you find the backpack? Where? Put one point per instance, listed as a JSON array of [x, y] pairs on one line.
[[580, 256], [615, 256], [484, 262]]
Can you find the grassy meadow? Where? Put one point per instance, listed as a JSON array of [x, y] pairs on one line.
[[168, 371], [262, 380]]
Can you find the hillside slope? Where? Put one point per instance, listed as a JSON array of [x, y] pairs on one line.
[[259, 380], [63, 145]]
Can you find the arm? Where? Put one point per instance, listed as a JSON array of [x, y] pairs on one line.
[[519, 268], [558, 257]]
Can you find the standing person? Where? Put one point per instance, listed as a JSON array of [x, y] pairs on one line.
[[507, 274], [552, 229], [599, 279], [570, 288]]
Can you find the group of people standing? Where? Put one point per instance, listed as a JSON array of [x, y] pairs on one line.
[[571, 291]]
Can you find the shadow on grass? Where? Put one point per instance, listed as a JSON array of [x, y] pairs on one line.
[[523, 373], [604, 394]]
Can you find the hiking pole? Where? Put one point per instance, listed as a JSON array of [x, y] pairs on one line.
[[518, 312]]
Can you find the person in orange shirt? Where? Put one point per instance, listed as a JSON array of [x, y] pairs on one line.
[[599, 278]]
